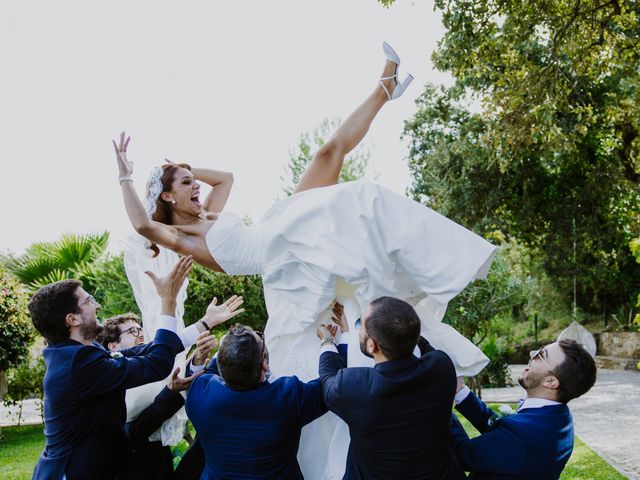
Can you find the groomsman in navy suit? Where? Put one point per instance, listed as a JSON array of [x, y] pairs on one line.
[[399, 411], [84, 385], [537, 441], [249, 427]]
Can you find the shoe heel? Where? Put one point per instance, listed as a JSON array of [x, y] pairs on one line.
[[402, 86]]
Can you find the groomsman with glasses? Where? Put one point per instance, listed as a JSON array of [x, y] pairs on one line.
[[535, 442], [84, 386]]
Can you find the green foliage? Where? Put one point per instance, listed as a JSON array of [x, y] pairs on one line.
[[205, 284], [472, 310], [72, 256], [16, 332], [26, 381], [552, 156], [110, 286], [354, 167], [635, 250], [497, 373]]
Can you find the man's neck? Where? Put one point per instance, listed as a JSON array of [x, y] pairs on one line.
[[542, 393], [77, 336], [379, 358]]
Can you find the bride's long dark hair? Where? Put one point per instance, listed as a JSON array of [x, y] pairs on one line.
[[163, 208]]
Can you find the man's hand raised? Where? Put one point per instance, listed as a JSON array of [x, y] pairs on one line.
[[169, 285], [178, 384]]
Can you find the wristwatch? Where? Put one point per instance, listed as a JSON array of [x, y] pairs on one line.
[[204, 324], [326, 341]]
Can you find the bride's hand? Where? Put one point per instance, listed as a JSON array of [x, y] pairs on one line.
[[125, 167], [217, 314]]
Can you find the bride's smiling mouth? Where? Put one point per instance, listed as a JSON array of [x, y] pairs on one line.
[[195, 199]]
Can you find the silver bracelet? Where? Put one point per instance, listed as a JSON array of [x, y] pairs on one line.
[[126, 178], [326, 341]]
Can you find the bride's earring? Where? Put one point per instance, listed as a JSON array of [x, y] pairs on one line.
[[173, 201]]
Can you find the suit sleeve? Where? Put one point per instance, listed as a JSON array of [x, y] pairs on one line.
[[311, 405], [212, 367], [95, 372], [136, 351], [151, 418], [500, 450], [477, 412], [424, 346], [330, 365]]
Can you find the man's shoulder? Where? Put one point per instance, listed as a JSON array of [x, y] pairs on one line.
[[291, 381], [437, 359], [71, 351], [533, 421]]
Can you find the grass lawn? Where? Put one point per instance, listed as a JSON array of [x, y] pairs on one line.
[[21, 446]]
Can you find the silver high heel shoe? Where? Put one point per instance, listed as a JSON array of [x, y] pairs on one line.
[[399, 89]]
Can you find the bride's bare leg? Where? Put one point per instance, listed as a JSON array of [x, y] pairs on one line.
[[326, 164]]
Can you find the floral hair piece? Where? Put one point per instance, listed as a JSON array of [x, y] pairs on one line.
[[154, 189]]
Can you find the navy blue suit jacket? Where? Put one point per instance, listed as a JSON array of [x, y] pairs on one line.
[[534, 443], [84, 408], [399, 415], [254, 433]]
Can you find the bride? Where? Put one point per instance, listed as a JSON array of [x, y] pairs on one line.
[[354, 242]]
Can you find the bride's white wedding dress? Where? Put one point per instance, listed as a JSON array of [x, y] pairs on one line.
[[353, 241]]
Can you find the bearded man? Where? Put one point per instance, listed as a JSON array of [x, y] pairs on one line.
[[537, 441]]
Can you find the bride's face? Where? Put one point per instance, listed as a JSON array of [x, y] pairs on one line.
[[185, 190]]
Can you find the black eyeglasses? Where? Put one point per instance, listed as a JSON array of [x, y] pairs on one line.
[[135, 331]]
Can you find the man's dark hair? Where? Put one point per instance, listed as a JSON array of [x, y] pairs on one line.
[[110, 329], [577, 373], [49, 307], [394, 325], [240, 358]]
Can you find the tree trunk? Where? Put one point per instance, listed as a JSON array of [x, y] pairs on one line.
[[4, 384]]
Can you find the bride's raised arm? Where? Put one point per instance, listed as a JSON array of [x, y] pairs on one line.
[[155, 232]]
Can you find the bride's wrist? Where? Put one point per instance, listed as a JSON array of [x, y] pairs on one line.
[[125, 178]]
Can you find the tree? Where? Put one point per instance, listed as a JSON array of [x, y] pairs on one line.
[[355, 165], [552, 155], [16, 332], [72, 256], [110, 286]]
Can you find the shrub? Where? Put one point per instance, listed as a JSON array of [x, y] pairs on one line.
[[205, 284], [497, 373], [16, 331], [26, 381], [111, 288]]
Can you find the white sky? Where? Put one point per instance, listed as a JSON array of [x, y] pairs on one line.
[[230, 85]]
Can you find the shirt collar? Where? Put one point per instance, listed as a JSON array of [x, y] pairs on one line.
[[537, 403]]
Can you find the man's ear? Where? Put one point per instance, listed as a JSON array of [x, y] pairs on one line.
[[372, 346], [113, 346], [551, 382], [72, 320]]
